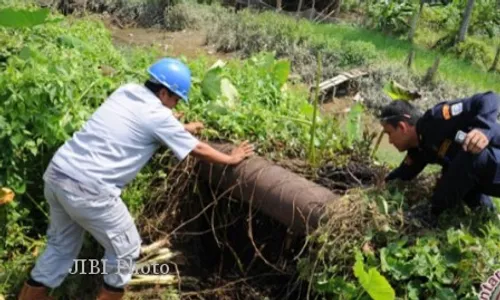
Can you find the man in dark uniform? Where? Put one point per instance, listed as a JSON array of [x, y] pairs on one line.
[[462, 136]]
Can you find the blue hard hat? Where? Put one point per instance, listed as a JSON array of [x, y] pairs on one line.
[[173, 74]]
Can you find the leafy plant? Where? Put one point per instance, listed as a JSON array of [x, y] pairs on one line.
[[391, 15], [372, 281], [22, 18]]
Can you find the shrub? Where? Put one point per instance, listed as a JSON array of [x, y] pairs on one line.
[[476, 51], [189, 15], [358, 53], [391, 16], [251, 33]]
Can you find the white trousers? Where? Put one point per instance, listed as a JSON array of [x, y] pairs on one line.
[[74, 209]]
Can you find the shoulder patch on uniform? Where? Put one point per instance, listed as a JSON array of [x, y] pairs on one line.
[[456, 109], [446, 112]]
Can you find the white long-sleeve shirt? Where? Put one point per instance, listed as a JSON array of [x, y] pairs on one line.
[[120, 138]]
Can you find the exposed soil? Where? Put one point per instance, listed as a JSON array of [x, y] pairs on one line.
[[188, 43]]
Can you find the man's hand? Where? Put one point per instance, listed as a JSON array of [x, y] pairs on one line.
[[207, 153], [178, 115], [194, 127], [475, 141], [241, 152]]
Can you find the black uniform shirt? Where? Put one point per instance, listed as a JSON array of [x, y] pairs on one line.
[[437, 129]]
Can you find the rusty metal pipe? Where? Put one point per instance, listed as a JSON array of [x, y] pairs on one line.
[[279, 193]]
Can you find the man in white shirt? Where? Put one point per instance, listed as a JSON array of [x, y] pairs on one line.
[[84, 180]]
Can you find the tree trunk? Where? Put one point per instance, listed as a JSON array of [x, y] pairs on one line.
[[495, 61], [278, 5], [414, 21], [465, 21], [431, 72], [279, 193], [411, 57], [337, 8], [411, 34], [312, 16], [299, 7]]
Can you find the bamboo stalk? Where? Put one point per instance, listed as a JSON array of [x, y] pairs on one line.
[[154, 246], [158, 259], [379, 140], [154, 279], [312, 156]]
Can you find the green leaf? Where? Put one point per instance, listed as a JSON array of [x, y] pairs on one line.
[[218, 109], [444, 293], [210, 86], [281, 71], [16, 139], [413, 290], [398, 92], [383, 207], [71, 42], [25, 53], [307, 110], [19, 18], [218, 64], [453, 256], [229, 92], [3, 123], [336, 285], [373, 282], [353, 125]]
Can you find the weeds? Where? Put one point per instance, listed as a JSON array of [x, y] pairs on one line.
[[449, 261]]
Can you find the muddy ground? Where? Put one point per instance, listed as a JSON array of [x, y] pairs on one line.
[[189, 43]]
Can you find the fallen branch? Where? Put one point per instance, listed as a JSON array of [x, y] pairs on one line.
[[163, 256], [277, 192], [154, 279], [154, 247]]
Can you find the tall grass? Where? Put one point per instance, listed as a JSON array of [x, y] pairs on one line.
[[452, 69], [346, 45]]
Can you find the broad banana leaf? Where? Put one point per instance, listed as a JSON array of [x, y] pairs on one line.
[[398, 92]]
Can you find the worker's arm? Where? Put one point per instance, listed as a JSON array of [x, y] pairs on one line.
[[485, 106], [207, 153], [409, 168], [176, 136], [485, 112]]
